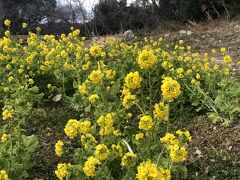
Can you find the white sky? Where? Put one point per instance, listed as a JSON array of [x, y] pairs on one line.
[[89, 4]]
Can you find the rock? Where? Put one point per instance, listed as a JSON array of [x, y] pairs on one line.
[[128, 35], [182, 32], [189, 33], [167, 35], [237, 28], [185, 33]]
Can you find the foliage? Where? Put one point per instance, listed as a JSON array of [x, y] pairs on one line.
[[124, 97]]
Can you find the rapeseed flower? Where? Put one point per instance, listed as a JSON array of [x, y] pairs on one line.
[[101, 152], [117, 149], [90, 166], [87, 140], [133, 80], [7, 113], [147, 170], [128, 158], [93, 98], [7, 22], [59, 148], [96, 76], [146, 123], [84, 127], [146, 59], [106, 124], [72, 127], [161, 111], [3, 175], [170, 89], [61, 171], [128, 101], [4, 138]]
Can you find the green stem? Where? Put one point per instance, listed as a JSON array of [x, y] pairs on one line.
[[139, 107], [159, 156]]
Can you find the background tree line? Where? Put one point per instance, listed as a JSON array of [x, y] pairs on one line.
[[111, 16]]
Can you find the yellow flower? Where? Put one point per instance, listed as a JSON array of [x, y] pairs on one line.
[[87, 140], [223, 50], [139, 136], [227, 59], [93, 98], [128, 158], [7, 33], [7, 114], [10, 79], [128, 101], [164, 174], [117, 149], [186, 134], [198, 76], [101, 152], [4, 138], [30, 81], [96, 51], [72, 127], [49, 86], [146, 59], [24, 25], [181, 41], [3, 175], [76, 32], [61, 171], [193, 81], [178, 154], [110, 74], [82, 88], [189, 48], [84, 127], [161, 111], [86, 66], [180, 70], [146, 123], [129, 115], [169, 139], [7, 23], [170, 89], [59, 148], [96, 76], [126, 91], [6, 89], [147, 170], [90, 166], [106, 124], [133, 80], [117, 133]]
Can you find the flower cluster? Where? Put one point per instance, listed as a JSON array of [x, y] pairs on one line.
[[62, 170], [170, 89], [146, 59], [106, 124], [59, 148], [149, 170], [7, 113], [176, 148], [3, 175], [90, 166]]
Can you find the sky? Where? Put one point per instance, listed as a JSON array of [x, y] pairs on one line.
[[89, 4]]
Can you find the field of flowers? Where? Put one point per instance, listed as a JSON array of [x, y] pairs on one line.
[[123, 98]]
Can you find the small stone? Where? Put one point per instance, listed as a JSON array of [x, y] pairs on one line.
[[167, 35], [182, 32], [189, 33]]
